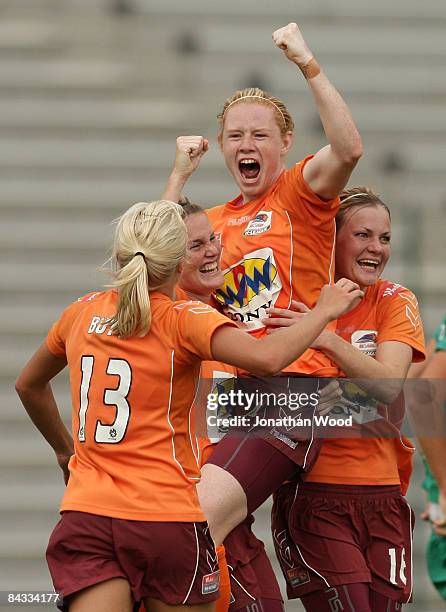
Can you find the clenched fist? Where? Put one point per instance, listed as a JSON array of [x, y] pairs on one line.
[[190, 150], [291, 41]]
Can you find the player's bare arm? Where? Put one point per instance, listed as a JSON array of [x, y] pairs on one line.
[[188, 155], [33, 387], [391, 362], [270, 354], [330, 169], [425, 406]]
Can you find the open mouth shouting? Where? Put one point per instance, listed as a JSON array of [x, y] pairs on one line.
[[249, 168]]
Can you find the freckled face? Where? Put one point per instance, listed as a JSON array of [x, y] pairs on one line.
[[253, 147], [363, 245], [201, 273]]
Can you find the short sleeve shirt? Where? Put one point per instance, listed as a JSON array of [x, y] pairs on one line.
[[388, 312], [132, 404], [277, 248]]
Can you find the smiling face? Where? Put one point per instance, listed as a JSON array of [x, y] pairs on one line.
[[253, 147], [363, 245], [201, 273]]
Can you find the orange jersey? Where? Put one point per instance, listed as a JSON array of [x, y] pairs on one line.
[[215, 378], [277, 248], [132, 398], [387, 312]]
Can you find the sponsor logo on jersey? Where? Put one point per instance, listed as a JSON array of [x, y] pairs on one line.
[[251, 285], [365, 341], [238, 220], [392, 290], [356, 403], [261, 223], [89, 297], [297, 576], [222, 382], [210, 583]]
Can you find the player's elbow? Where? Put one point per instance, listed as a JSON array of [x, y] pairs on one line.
[[269, 365], [354, 151], [21, 386]]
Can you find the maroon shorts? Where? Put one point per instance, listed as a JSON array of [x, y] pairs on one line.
[[252, 576], [262, 458], [328, 535], [173, 562], [259, 467]]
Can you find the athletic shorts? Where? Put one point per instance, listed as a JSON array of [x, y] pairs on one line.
[[173, 562], [259, 467], [436, 562], [291, 430], [252, 576], [328, 535]]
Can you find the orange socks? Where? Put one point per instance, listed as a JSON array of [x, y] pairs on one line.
[[222, 604]]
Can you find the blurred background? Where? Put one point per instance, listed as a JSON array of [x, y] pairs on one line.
[[94, 93]]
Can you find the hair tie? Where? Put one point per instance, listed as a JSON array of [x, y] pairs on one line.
[[354, 195], [139, 253], [259, 98]]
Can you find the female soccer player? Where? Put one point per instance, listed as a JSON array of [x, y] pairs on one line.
[[343, 537], [131, 525], [427, 407], [252, 581], [278, 243]]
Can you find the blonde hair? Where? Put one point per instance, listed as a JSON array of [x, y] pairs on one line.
[[150, 241], [357, 197], [254, 94]]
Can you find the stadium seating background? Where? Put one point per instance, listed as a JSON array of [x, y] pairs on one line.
[[93, 95]]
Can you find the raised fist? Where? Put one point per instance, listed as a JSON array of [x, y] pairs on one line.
[[190, 150], [291, 41]]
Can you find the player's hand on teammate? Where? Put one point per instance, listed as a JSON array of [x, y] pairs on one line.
[[339, 298], [329, 396], [285, 317], [335, 299], [189, 151], [282, 317], [292, 43]]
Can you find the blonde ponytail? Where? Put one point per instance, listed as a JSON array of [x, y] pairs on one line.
[[150, 242]]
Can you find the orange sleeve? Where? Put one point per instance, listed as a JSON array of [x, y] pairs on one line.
[[197, 323], [399, 319], [58, 333], [298, 197]]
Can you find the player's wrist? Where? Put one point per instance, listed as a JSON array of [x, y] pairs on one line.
[[309, 67], [321, 313], [178, 178]]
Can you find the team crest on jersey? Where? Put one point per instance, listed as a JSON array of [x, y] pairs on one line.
[[261, 223], [251, 285], [365, 341]]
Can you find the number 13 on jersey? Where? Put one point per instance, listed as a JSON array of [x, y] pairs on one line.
[[117, 398]]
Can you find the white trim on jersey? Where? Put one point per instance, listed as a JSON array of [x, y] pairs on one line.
[[195, 447], [291, 258], [332, 258], [172, 429], [196, 566]]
